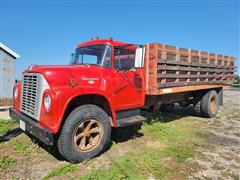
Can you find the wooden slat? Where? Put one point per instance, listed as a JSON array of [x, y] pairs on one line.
[[194, 68]]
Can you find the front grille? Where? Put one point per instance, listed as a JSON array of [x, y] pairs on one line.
[[33, 87], [29, 94]]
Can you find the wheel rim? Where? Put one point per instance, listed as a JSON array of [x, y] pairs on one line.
[[87, 135], [213, 105]]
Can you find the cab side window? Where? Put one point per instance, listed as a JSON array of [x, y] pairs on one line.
[[124, 59]]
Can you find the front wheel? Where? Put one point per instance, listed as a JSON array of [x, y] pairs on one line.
[[85, 133]]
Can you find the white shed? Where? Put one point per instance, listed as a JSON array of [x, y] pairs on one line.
[[7, 71]]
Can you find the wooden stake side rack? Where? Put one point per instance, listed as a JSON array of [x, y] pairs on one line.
[[169, 66]]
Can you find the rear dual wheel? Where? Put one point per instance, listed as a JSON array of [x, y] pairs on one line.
[[210, 104], [207, 105]]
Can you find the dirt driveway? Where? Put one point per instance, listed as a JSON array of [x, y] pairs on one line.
[[223, 161], [175, 145]]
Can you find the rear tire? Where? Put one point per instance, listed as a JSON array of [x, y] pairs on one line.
[[210, 104], [85, 133], [197, 106]]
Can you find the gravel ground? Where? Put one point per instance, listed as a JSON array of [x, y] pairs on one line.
[[222, 160]]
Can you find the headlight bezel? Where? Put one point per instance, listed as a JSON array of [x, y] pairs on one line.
[[47, 102], [15, 92]]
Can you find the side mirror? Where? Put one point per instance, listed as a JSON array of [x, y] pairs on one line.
[[72, 59], [139, 57]]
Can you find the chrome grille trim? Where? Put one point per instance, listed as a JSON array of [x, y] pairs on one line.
[[33, 86]]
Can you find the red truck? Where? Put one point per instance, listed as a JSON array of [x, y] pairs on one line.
[[106, 84]]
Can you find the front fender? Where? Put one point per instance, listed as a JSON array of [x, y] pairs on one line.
[[61, 98]]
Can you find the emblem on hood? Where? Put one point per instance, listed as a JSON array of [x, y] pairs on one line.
[[90, 80]]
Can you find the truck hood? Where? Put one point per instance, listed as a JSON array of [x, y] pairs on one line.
[[59, 75]]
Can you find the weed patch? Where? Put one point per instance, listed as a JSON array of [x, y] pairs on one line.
[[6, 126], [121, 169], [22, 144], [203, 134], [7, 162], [167, 132], [61, 171], [180, 152], [202, 144], [20, 147]]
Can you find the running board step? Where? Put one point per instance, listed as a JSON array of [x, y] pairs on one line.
[[130, 120]]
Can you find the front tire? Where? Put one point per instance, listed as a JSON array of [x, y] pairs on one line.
[[85, 133]]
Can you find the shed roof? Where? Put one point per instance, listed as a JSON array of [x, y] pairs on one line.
[[9, 51]]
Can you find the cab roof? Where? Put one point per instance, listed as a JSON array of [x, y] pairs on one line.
[[102, 41]]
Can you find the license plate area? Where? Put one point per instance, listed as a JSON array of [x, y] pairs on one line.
[[22, 125]]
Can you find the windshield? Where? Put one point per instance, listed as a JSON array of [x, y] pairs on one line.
[[93, 55]]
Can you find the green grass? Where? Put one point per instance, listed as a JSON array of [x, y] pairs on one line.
[[121, 169], [6, 126], [203, 133], [20, 147], [150, 162], [7, 162], [165, 132], [179, 152], [168, 132], [22, 144], [61, 171], [144, 164], [236, 85]]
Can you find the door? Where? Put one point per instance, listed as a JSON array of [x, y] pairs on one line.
[[127, 82]]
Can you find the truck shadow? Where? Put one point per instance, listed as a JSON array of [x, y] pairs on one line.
[[176, 113], [49, 149], [11, 134], [125, 133]]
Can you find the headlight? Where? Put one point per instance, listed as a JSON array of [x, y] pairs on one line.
[[47, 102], [15, 92]]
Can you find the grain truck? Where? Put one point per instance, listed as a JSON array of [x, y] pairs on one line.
[[106, 85]]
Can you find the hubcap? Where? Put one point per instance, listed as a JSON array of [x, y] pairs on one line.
[[87, 135], [213, 105]]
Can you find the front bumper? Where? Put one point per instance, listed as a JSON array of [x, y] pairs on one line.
[[33, 127]]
